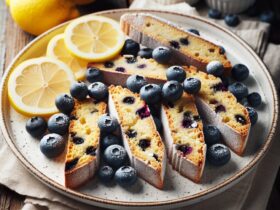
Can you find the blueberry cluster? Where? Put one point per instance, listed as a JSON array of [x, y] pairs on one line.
[[115, 159], [233, 20]]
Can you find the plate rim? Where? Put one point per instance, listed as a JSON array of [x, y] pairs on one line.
[[87, 198]]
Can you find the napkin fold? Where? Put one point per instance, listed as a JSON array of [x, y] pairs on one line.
[[251, 193]]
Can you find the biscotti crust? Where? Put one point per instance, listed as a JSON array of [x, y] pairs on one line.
[[135, 26], [87, 164], [152, 171]]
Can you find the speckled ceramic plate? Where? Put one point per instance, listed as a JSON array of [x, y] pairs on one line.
[[178, 191]]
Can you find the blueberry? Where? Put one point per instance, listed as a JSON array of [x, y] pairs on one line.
[[172, 91], [146, 53], [215, 68], [126, 176], [212, 134], [267, 16], [98, 90], [232, 20], [107, 123], [79, 90], [162, 55], [105, 174], [135, 83], [52, 145], [64, 103], [194, 31], [94, 74], [115, 156], [222, 50], [151, 93], [244, 101], [158, 124], [130, 47], [253, 114], [240, 72], [58, 123], [218, 154], [214, 13], [192, 85], [254, 99], [239, 90], [176, 73], [109, 140], [36, 126]]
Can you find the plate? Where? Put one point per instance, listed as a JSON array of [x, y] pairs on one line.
[[178, 191]]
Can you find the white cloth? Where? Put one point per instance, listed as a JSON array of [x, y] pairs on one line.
[[251, 193]]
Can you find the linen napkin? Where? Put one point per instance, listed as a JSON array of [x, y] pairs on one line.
[[251, 193]]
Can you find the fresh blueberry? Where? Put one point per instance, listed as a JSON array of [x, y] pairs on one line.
[[151, 93], [52, 145], [172, 91], [267, 16], [253, 114], [36, 126], [146, 53], [130, 47], [192, 85], [225, 80], [239, 90], [158, 123], [244, 101], [176, 73], [79, 90], [214, 13], [212, 134], [107, 124], [115, 156], [126, 176], [94, 74], [105, 174], [109, 140], [98, 90], [216, 68], [58, 123], [232, 20], [135, 83], [218, 154], [254, 99], [222, 50], [194, 31], [240, 72], [162, 54], [64, 103]]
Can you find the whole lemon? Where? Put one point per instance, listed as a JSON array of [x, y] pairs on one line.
[[37, 16]]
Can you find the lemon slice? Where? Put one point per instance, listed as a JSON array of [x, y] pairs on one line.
[[57, 49], [34, 84], [94, 38]]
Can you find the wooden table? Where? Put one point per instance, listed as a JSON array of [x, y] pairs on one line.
[[12, 40]]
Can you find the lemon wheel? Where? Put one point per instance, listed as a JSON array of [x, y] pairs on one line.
[[94, 38], [34, 84], [57, 49]]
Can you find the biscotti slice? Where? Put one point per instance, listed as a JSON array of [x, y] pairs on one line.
[[140, 137], [82, 158], [188, 48], [183, 135], [116, 71], [220, 107]]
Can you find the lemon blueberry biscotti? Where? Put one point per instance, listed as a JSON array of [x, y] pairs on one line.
[[140, 137], [187, 48], [82, 156], [183, 135], [117, 70], [220, 107]]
